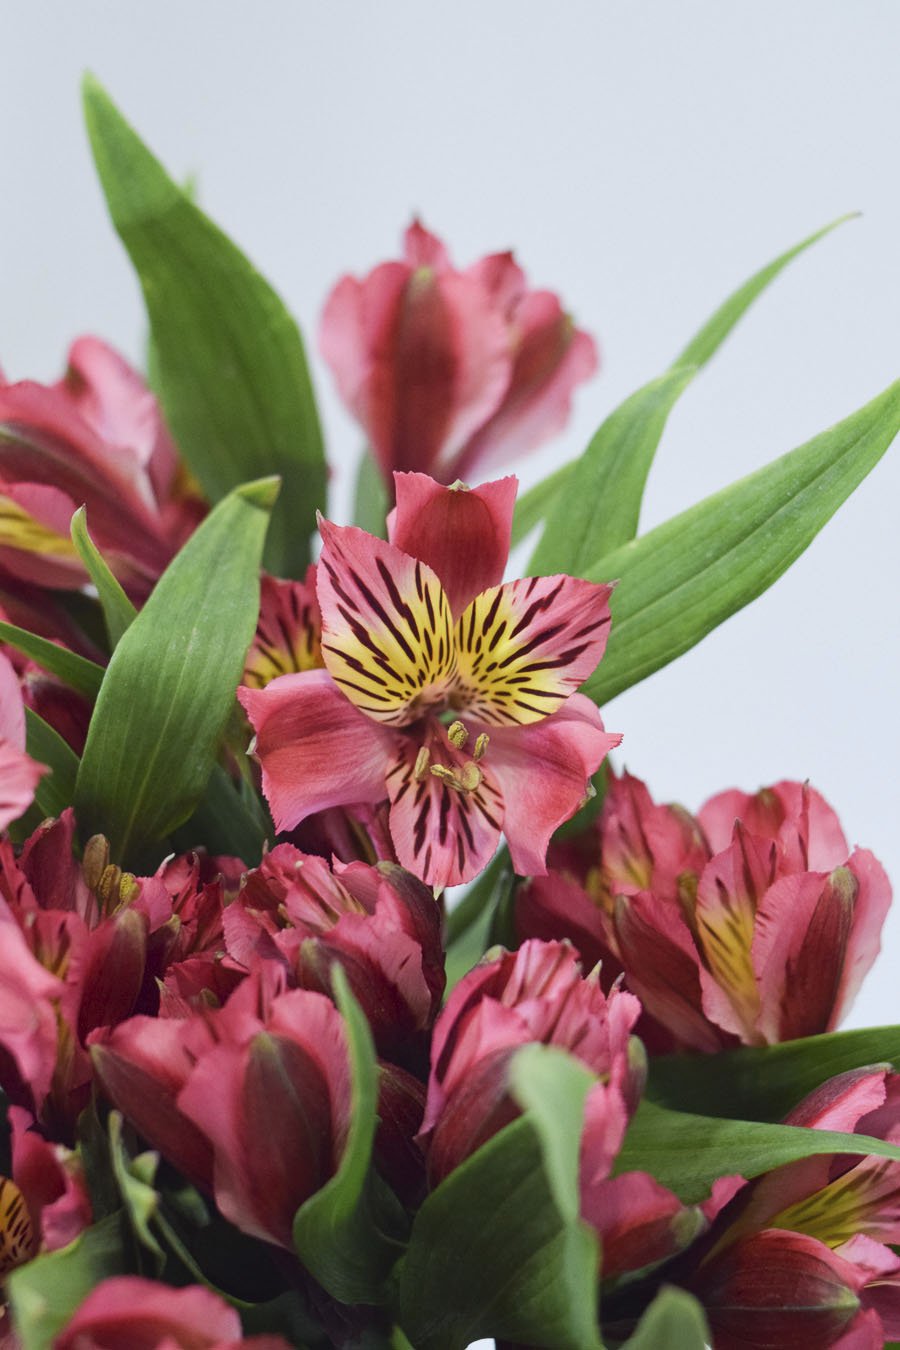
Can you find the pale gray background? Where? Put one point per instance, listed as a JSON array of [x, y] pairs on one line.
[[643, 158]]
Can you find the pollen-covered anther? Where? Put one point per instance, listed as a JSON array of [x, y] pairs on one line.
[[467, 779], [116, 888], [457, 734], [95, 860], [421, 766], [482, 741]]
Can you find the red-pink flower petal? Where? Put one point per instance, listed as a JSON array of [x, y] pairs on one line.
[[526, 646], [463, 534], [542, 771], [288, 631], [551, 358], [870, 908], [387, 630], [421, 248], [445, 823], [125, 1312], [315, 748], [639, 1222], [794, 814]]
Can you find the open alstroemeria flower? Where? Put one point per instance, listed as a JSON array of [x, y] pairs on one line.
[[445, 691]]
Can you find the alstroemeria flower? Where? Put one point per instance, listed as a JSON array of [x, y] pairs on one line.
[[451, 371], [749, 924], [95, 438], [445, 691]]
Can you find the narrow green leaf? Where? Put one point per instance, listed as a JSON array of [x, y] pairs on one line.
[[44, 1293], [498, 1249], [598, 507], [56, 790], [688, 1152], [593, 505], [169, 688], [468, 928], [674, 1321], [681, 580], [229, 360], [118, 611], [228, 820], [535, 504], [372, 501], [336, 1231], [76, 671], [134, 1179], [766, 1082], [715, 330]]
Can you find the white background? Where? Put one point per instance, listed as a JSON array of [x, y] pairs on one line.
[[643, 159]]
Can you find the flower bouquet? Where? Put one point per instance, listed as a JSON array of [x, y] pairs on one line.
[[270, 1079]]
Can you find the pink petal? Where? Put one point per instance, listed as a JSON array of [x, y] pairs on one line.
[[524, 647], [730, 889], [873, 900], [639, 1221], [19, 776], [421, 248], [387, 637], [803, 926], [315, 748], [462, 534], [841, 1102], [542, 771], [502, 278], [662, 967], [444, 831], [129, 1310], [551, 358], [28, 1015]]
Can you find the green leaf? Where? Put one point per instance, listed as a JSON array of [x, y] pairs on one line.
[[56, 790], [468, 927], [229, 820], [229, 360], [76, 671], [688, 575], [674, 1321], [593, 505], [372, 501], [134, 1179], [169, 689], [598, 507], [713, 333], [498, 1248], [336, 1231], [688, 1152], [766, 1082], [118, 611], [45, 1292]]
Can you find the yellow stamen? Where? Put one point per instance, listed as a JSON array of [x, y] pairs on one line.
[[467, 780], [482, 741], [422, 759], [457, 734]]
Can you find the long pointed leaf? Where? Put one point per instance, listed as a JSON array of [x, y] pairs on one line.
[[229, 359], [118, 611], [56, 790], [593, 505], [674, 1321], [74, 670], [681, 580], [766, 1082], [169, 689], [687, 1152], [498, 1249]]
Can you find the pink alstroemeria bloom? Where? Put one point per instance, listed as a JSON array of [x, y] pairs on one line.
[[288, 634], [751, 928], [446, 692], [537, 994], [450, 372], [96, 438], [845, 1208], [127, 1312], [380, 923]]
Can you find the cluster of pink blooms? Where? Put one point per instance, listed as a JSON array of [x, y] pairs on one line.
[[408, 709]]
